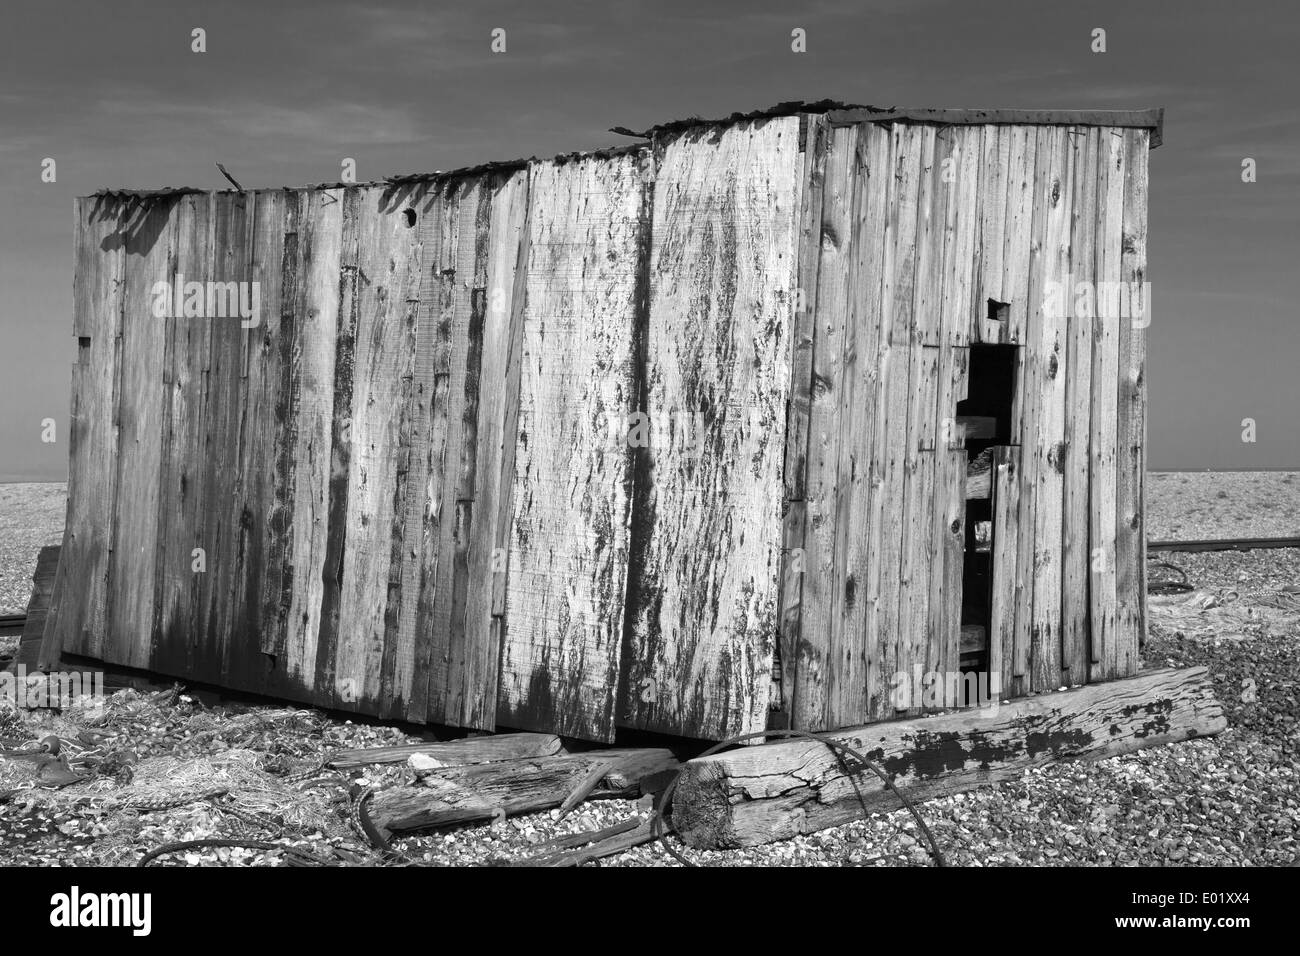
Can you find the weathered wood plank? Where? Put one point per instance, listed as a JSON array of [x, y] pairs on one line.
[[149, 250], [1151, 119], [723, 264], [180, 496], [328, 683], [812, 237], [1017, 233], [1031, 362], [383, 359], [858, 676], [469, 315], [947, 524], [219, 646], [917, 554], [756, 795], [511, 787], [802, 387], [1050, 348], [409, 474], [77, 617], [281, 403], [1075, 566], [892, 448], [256, 453], [431, 423], [833, 368], [451, 753], [995, 174], [961, 314], [1005, 660], [305, 459], [935, 217], [569, 550], [1105, 412], [1130, 559], [494, 469]]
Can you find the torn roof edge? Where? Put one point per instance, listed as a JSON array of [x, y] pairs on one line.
[[837, 112]]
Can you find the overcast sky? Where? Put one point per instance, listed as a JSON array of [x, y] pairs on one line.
[[286, 90]]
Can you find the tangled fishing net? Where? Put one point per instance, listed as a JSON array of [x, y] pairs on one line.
[[148, 770]]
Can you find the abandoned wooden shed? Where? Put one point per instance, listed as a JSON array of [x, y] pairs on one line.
[[757, 422]]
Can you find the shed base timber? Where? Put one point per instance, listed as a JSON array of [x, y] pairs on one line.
[[757, 795]]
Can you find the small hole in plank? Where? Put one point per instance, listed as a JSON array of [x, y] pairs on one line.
[[998, 311], [409, 215]]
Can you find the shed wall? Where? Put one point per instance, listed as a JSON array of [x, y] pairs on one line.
[[913, 230], [573, 447]]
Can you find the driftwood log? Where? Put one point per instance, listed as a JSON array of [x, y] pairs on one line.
[[756, 795], [453, 753], [486, 791]]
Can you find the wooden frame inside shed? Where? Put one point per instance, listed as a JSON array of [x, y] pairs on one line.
[[676, 437]]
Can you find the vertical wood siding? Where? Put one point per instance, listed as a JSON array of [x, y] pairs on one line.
[[702, 620], [576, 445]]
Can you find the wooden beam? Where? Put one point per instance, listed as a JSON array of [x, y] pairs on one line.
[[453, 753], [755, 795], [485, 791], [1152, 119]]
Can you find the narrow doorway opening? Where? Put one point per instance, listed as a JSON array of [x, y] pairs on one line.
[[986, 414]]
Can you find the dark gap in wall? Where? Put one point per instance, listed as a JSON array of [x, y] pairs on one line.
[[986, 415]]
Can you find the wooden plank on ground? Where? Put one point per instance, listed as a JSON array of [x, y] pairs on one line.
[[756, 795], [77, 617], [704, 623], [569, 547], [511, 787], [451, 753]]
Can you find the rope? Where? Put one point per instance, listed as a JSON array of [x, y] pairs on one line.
[[837, 747], [1168, 587], [171, 803]]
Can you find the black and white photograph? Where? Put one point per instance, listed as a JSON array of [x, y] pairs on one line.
[[852, 434]]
